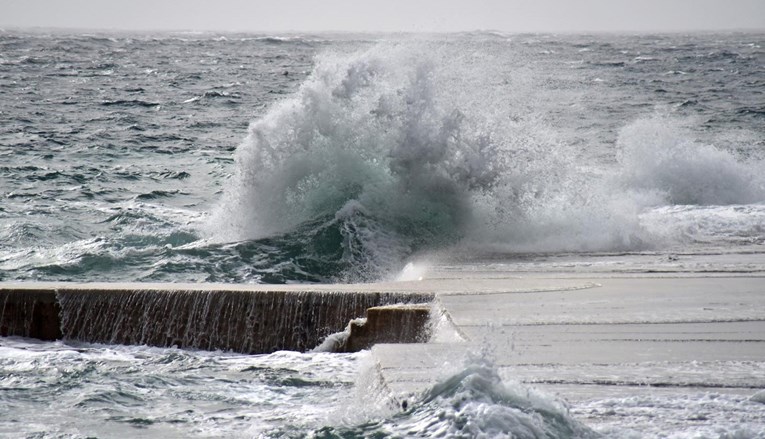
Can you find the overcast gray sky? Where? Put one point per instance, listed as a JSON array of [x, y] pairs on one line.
[[387, 15]]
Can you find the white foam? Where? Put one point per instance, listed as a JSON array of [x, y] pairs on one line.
[[659, 154], [414, 146], [412, 271]]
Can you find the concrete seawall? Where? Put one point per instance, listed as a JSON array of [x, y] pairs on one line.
[[646, 340], [591, 336], [246, 319], [30, 313], [577, 334]]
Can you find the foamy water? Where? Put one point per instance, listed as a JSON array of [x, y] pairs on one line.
[[78, 390], [344, 158], [364, 151]]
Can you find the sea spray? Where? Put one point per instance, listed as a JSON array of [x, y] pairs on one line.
[[692, 192], [388, 152], [659, 154], [470, 397], [378, 151], [472, 402], [82, 183], [366, 152], [378, 155]]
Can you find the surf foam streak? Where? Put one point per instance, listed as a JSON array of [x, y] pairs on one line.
[[386, 152]]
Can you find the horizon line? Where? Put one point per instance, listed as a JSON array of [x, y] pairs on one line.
[[4, 29]]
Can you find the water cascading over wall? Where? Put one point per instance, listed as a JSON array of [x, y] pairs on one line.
[[30, 313], [235, 320]]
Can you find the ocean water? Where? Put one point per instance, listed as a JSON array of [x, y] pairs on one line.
[[201, 157]]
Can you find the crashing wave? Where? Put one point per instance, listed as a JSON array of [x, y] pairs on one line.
[[474, 403], [399, 149]]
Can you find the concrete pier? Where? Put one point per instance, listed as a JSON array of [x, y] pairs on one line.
[[589, 335], [34, 312], [389, 324], [246, 319], [579, 334]]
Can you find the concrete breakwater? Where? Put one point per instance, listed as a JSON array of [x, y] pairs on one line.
[[246, 319]]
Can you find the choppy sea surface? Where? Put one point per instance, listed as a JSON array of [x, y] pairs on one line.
[[202, 157]]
